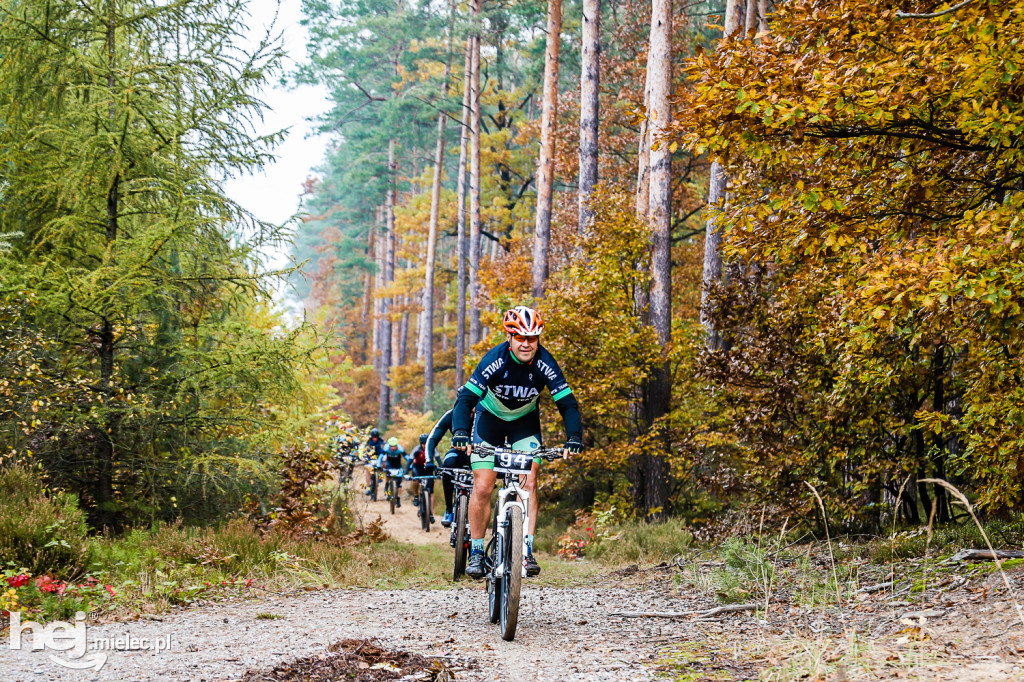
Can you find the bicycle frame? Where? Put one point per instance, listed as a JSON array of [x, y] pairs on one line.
[[510, 486]]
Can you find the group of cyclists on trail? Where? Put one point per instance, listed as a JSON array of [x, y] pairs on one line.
[[496, 409]]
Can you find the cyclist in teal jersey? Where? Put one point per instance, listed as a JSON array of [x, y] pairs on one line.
[[503, 390]]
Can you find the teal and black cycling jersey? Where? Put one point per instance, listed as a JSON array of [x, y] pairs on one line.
[[508, 389]]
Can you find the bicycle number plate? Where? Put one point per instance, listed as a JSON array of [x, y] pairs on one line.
[[509, 461], [396, 473]]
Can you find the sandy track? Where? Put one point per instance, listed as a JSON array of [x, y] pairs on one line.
[[404, 524], [564, 634]]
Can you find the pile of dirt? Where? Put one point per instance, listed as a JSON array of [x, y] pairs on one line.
[[360, 660]]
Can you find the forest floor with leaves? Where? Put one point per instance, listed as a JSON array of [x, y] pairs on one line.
[[939, 619]]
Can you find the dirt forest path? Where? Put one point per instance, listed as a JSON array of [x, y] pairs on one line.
[[404, 524], [564, 634], [574, 634]]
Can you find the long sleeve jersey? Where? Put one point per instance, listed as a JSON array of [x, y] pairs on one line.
[[509, 389], [443, 426]]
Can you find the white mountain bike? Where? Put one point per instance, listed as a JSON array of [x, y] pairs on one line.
[[506, 550]]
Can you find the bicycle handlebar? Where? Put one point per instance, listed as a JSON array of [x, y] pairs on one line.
[[548, 454]]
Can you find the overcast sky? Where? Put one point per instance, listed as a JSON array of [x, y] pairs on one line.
[[273, 193]]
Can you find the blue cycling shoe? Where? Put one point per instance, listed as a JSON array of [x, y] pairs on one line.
[[446, 520], [475, 567]]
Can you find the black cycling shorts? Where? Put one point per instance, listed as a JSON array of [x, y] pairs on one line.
[[519, 434]]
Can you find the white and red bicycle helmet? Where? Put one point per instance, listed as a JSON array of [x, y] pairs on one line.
[[523, 321]]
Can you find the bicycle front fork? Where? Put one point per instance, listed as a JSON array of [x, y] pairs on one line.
[[502, 511]]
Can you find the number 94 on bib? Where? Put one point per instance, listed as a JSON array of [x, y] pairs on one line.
[[510, 461]]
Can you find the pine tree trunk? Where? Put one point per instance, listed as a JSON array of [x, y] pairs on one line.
[[428, 283], [546, 160], [641, 296], [103, 490], [378, 281], [750, 18], [403, 343], [717, 185], [641, 299], [474, 189], [659, 389], [762, 16], [461, 243], [712, 273], [386, 341], [733, 19], [589, 114], [368, 292], [446, 318]]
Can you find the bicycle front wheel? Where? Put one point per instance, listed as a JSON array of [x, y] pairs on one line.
[[512, 581], [373, 487], [461, 535], [424, 512], [494, 583], [391, 495]]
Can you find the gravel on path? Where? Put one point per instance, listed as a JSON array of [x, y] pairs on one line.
[[564, 634]]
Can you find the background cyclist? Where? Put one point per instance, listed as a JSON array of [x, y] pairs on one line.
[[393, 457], [453, 459], [503, 390], [374, 446], [421, 465]]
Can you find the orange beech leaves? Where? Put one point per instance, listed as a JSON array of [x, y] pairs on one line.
[[876, 168]]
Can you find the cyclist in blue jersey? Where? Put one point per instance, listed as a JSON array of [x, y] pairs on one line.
[[503, 390], [393, 457], [374, 446]]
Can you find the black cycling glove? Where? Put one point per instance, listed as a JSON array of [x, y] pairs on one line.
[[574, 446], [460, 441]]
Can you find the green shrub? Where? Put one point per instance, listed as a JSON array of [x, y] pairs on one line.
[[749, 572], [42, 533], [640, 542]]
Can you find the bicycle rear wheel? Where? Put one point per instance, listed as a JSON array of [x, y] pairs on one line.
[[512, 581], [373, 487], [461, 535]]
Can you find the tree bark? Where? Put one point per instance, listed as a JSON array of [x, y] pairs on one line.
[[428, 283], [369, 281], [378, 282], [762, 16], [717, 185], [660, 203], [733, 19], [446, 317], [712, 273], [403, 334], [659, 387], [384, 405], [750, 16], [589, 113], [546, 160], [461, 243], [474, 188], [106, 428]]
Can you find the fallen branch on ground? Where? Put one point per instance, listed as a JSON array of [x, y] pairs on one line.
[[874, 588], [733, 608], [929, 613], [986, 555]]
